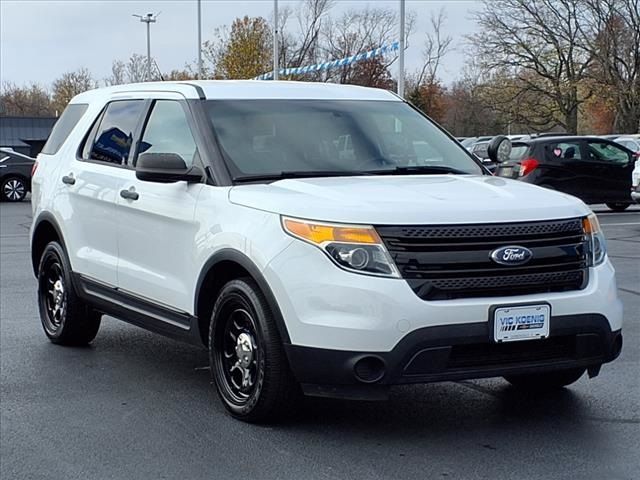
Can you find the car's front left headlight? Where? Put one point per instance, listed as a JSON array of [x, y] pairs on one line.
[[596, 242], [356, 248]]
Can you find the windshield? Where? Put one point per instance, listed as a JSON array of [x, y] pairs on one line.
[[263, 138]]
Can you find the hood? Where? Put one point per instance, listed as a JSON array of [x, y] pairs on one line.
[[415, 199]]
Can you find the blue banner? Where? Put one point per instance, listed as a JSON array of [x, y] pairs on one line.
[[376, 52]]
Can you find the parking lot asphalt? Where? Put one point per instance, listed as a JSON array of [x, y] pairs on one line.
[[135, 405]]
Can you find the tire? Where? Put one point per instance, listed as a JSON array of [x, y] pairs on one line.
[[66, 319], [618, 207], [248, 363], [13, 189], [545, 381]]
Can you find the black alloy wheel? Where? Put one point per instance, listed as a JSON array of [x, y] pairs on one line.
[[53, 294], [66, 319], [247, 358], [239, 356]]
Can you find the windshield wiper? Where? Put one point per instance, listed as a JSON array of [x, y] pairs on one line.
[[419, 170], [297, 174]]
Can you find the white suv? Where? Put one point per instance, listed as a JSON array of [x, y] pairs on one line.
[[295, 230]]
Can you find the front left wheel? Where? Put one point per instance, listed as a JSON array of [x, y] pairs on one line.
[[248, 362], [66, 319]]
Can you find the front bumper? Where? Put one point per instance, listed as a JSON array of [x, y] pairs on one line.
[[454, 352], [330, 309]]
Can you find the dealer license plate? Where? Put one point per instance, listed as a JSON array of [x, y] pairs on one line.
[[521, 323]]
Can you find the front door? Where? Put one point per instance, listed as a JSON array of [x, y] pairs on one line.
[[612, 167], [157, 230]]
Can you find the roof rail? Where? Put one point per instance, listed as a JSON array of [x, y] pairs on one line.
[[552, 134], [198, 88]]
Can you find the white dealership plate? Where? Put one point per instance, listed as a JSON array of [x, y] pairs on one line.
[[521, 323]]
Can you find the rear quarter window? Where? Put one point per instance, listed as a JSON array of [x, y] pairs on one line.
[[518, 152], [63, 127]]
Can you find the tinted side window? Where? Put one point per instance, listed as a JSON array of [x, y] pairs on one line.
[[114, 138], [61, 130], [167, 131], [567, 151], [518, 151], [606, 152]]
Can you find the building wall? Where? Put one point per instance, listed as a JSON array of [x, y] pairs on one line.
[[25, 134]]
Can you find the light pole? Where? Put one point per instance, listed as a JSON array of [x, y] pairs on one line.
[[199, 39], [401, 56], [276, 60], [149, 18]]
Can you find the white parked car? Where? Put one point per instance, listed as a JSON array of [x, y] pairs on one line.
[[633, 144], [221, 213], [635, 182]]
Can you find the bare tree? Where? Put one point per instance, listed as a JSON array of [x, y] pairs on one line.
[[359, 31], [118, 74], [424, 88], [436, 47], [30, 100], [538, 43], [69, 85], [611, 32], [299, 44], [136, 68], [311, 15]]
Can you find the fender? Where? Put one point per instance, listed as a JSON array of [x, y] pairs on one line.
[[49, 218], [231, 255]]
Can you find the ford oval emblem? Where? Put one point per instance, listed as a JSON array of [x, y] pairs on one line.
[[511, 255]]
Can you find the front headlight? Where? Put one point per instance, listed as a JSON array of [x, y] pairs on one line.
[[596, 242], [355, 248]]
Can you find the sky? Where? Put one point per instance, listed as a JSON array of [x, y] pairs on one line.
[[42, 39]]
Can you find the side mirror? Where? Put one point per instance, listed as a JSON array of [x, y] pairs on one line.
[[166, 168], [499, 149]]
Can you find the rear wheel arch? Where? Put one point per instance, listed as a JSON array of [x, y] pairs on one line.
[[22, 177], [222, 267], [46, 230]]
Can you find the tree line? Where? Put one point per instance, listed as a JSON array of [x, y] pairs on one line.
[[533, 65]]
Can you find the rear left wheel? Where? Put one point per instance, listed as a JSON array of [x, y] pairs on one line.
[[65, 318], [13, 189], [247, 359], [618, 207]]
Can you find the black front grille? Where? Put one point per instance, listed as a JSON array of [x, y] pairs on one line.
[[453, 261]]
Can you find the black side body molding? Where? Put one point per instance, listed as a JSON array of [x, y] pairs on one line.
[[137, 311]]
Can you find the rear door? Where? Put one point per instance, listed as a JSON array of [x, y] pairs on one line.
[[563, 169], [612, 167], [90, 184], [157, 230]]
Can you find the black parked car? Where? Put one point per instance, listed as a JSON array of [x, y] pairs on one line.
[[15, 175], [595, 170]]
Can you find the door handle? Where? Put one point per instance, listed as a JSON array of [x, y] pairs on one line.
[[68, 179], [129, 194]]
